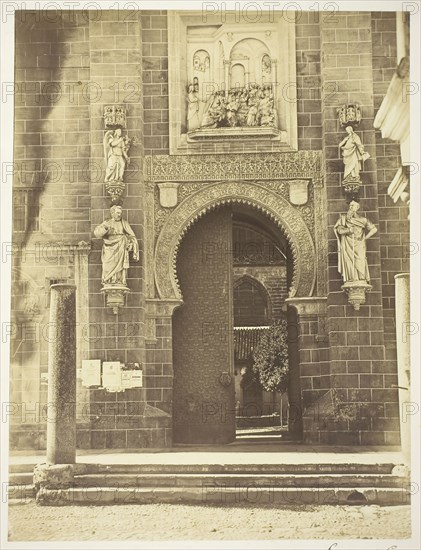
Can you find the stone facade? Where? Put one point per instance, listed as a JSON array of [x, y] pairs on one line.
[[67, 71]]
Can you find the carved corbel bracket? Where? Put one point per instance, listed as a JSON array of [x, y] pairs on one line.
[[356, 291], [115, 116], [115, 296]]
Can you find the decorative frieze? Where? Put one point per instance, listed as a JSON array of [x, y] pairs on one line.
[[266, 166], [207, 197]]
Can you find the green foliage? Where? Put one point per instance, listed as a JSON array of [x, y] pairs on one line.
[[270, 356]]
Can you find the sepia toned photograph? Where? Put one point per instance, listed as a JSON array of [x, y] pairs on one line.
[[208, 331]]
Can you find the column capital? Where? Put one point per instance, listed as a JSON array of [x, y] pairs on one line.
[[311, 305]]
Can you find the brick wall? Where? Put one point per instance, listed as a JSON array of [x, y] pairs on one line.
[[155, 81], [309, 106], [359, 374], [117, 419], [393, 218], [52, 115], [204, 408], [52, 131]]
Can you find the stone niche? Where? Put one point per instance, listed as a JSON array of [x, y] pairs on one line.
[[231, 80]]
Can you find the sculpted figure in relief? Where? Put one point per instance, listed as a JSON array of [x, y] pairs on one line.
[[118, 240], [353, 155], [352, 232], [116, 149]]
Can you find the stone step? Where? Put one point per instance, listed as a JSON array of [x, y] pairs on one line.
[[240, 480], [21, 478], [306, 468], [265, 469], [19, 492], [286, 496]]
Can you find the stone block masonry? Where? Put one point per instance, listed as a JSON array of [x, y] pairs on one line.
[[360, 380]]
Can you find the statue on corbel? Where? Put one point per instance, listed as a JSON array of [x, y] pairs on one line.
[[118, 237], [118, 241], [352, 149], [352, 232], [116, 148]]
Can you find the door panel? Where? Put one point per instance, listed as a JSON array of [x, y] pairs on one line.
[[204, 397]]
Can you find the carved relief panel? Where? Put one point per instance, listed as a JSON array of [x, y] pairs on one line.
[[231, 81]]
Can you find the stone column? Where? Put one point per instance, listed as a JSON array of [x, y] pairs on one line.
[[61, 424], [403, 353]]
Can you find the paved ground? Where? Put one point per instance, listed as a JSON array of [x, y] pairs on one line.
[[28, 522]]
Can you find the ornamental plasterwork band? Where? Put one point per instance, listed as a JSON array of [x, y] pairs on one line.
[[273, 205], [298, 192], [266, 166]]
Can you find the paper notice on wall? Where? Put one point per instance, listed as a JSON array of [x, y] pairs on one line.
[[131, 379], [91, 372], [111, 375]]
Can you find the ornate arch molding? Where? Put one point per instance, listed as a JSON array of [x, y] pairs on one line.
[[211, 196]]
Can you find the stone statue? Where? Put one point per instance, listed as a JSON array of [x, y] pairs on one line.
[[352, 231], [353, 154], [193, 120], [119, 240], [116, 148]]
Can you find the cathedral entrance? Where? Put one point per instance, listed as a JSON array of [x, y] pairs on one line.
[[234, 269]]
